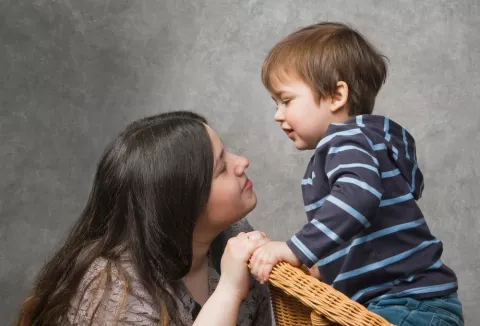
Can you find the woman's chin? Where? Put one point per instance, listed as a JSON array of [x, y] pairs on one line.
[[250, 205], [253, 202]]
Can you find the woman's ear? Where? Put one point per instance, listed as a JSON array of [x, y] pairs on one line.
[[339, 99]]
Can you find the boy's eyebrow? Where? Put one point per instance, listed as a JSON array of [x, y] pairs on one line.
[[280, 94], [277, 94]]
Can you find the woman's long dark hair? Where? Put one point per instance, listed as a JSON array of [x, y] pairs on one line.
[[151, 184]]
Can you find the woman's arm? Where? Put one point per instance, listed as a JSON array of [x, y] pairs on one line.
[[223, 305], [220, 309]]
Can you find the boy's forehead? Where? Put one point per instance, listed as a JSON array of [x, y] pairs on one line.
[[281, 79]]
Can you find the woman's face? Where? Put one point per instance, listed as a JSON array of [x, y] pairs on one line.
[[231, 196]]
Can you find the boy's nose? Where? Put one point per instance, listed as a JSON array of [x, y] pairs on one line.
[[279, 115]]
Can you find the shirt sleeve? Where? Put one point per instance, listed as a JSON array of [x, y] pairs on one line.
[[347, 158]]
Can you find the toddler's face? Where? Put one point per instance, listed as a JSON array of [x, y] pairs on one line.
[[300, 115]]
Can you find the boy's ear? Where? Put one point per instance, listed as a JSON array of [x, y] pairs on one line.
[[339, 99]]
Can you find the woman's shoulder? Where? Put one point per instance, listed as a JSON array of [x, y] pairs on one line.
[[110, 291]]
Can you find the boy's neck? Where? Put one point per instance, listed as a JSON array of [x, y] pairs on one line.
[[341, 116]]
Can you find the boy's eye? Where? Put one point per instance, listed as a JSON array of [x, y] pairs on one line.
[[285, 102]]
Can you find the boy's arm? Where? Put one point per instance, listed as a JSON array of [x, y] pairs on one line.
[[350, 164]]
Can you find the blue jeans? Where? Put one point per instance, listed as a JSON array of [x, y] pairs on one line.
[[441, 311]]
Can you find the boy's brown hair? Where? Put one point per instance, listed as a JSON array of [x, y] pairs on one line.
[[322, 55]]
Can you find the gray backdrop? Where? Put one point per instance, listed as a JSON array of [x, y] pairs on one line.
[[74, 72]]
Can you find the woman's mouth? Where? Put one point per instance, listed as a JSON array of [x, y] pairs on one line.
[[248, 185]]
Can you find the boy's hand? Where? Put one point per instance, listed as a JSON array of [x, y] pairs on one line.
[[314, 272], [266, 256]]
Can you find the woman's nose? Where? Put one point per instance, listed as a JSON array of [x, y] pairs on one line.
[[241, 165]]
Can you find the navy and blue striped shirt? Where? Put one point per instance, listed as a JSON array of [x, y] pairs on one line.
[[365, 230]]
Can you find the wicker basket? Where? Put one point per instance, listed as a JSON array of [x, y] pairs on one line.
[[299, 299]]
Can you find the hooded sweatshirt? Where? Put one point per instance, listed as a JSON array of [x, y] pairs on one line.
[[365, 230]]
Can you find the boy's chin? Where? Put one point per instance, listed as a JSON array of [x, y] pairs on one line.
[[302, 145]]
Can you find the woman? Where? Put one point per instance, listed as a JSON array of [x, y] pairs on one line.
[[146, 250]]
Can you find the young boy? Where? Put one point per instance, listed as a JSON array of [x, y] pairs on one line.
[[365, 231]]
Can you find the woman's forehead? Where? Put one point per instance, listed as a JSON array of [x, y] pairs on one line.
[[217, 142]]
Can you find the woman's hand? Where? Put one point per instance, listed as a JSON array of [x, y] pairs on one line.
[[235, 275], [221, 309]]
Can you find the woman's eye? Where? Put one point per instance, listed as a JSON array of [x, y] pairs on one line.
[[285, 102]]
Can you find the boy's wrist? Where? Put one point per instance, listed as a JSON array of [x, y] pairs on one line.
[[292, 258], [295, 252]]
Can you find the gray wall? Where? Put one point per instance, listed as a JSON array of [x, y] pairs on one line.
[[74, 72]]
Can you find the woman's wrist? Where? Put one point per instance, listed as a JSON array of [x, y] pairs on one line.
[[225, 297], [229, 292]]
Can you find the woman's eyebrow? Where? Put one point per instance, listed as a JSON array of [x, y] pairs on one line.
[[219, 157]]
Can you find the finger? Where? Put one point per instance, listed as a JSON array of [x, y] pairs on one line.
[[240, 247], [268, 261], [231, 243], [261, 266], [254, 262], [264, 272], [256, 267], [267, 268], [255, 274], [248, 247], [263, 241], [253, 258], [314, 271], [256, 235], [263, 261]]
